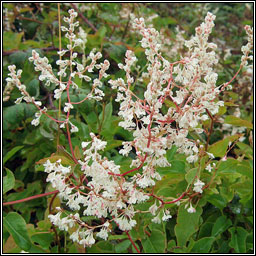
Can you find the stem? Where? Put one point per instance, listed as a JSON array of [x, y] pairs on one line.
[[53, 227], [31, 198], [134, 245], [103, 117], [67, 127], [46, 49], [176, 200], [84, 19], [127, 24], [58, 135], [50, 205], [29, 19], [70, 144], [211, 129]]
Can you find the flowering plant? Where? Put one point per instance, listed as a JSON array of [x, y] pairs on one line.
[[175, 115]]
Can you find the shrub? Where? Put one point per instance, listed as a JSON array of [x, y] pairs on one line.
[[147, 166]]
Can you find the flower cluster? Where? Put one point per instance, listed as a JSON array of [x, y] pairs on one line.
[[95, 186], [247, 48]]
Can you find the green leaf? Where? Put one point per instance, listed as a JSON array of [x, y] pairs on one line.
[[164, 21], [187, 224], [63, 152], [250, 241], [221, 225], [171, 244], [238, 122], [101, 247], [102, 32], [203, 245], [33, 88], [191, 175], [244, 189], [109, 17], [205, 229], [36, 249], [11, 153], [217, 200], [228, 166], [238, 239], [169, 104], [113, 144], [46, 134], [54, 158], [218, 149], [155, 243], [116, 52], [13, 115], [223, 247], [117, 237], [246, 149], [245, 168], [18, 57], [177, 167], [106, 123], [16, 226], [122, 246], [43, 239], [8, 181], [222, 110], [230, 104], [11, 40], [171, 153]]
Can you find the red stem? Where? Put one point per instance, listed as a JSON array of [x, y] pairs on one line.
[[31, 198], [176, 200], [127, 232], [134, 245], [67, 127], [133, 170], [70, 144]]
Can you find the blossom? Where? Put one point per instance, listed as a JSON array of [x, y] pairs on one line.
[[209, 167], [191, 209], [166, 216], [42, 64], [103, 233], [67, 107], [125, 224], [102, 190], [153, 208], [157, 219], [88, 239], [198, 186]]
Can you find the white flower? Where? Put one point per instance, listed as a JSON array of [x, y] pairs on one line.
[[157, 219], [208, 168], [67, 107], [48, 166], [35, 122], [191, 209], [88, 241], [75, 236], [166, 216], [85, 144], [224, 159], [210, 155], [198, 186], [124, 224], [153, 208], [103, 233], [73, 128]]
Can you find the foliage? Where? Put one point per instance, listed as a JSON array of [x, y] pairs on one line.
[[219, 219]]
